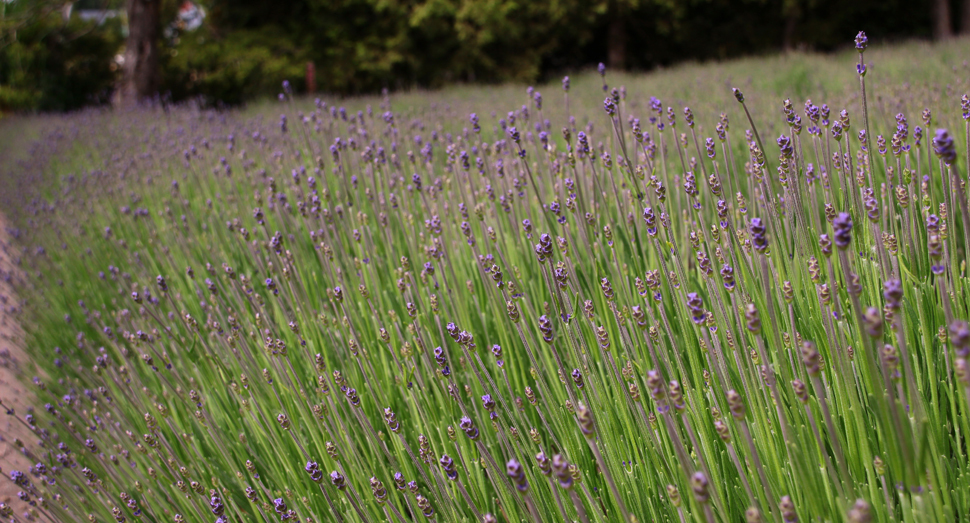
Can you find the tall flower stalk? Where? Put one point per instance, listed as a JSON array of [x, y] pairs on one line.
[[495, 311]]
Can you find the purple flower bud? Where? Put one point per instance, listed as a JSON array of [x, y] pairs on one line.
[[488, 402], [694, 304], [468, 427], [837, 130], [448, 465], [517, 474], [758, 235], [943, 147], [842, 226], [727, 275], [893, 293], [784, 143], [609, 106], [960, 337], [560, 468], [337, 480], [279, 506]]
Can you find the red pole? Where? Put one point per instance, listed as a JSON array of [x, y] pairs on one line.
[[311, 77]]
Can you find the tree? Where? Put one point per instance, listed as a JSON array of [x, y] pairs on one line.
[[50, 62], [141, 71], [965, 23], [791, 11], [942, 27], [617, 35]]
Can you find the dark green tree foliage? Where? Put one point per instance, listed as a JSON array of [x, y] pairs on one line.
[[246, 48], [234, 67], [358, 45], [364, 45], [662, 32], [49, 64]]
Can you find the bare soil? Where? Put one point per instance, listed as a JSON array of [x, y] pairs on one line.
[[13, 364]]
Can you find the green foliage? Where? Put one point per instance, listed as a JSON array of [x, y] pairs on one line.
[[246, 47], [48, 64], [242, 65], [365, 45], [241, 301]]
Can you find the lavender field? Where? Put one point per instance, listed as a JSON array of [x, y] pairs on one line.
[[719, 292]]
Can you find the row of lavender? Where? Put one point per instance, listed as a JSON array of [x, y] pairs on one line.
[[366, 317]]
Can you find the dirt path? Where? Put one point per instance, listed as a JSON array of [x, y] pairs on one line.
[[13, 361]]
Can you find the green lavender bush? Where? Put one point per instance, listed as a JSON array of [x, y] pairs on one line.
[[492, 304]]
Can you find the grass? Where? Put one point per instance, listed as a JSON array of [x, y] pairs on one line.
[[220, 337]]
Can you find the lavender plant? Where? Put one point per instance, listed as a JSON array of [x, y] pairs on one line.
[[405, 315]]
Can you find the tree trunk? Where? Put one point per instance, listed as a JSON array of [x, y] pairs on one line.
[[788, 40], [965, 23], [141, 74], [616, 39], [942, 27], [791, 12]]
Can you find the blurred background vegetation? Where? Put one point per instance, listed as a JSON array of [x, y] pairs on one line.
[[59, 55]]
